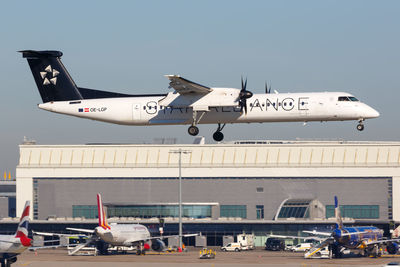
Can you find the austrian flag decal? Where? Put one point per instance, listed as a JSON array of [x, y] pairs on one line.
[[83, 110]]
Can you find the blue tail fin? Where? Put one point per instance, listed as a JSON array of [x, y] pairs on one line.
[[339, 222]]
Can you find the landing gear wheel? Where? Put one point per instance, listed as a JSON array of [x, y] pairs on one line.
[[360, 127], [193, 130], [218, 136]]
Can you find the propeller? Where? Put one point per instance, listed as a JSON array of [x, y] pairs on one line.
[[243, 95]]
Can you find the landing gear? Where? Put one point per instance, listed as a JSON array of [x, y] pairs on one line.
[[140, 250], [102, 247], [360, 125], [7, 261], [218, 135], [194, 130]]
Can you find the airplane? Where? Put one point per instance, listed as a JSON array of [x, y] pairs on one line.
[[12, 245], [190, 103], [128, 235], [368, 240]]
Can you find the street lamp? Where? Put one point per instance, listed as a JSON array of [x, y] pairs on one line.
[[180, 152]]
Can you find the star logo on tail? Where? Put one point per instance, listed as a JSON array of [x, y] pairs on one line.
[[49, 75]]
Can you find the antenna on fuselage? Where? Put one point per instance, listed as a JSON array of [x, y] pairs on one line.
[[267, 90]]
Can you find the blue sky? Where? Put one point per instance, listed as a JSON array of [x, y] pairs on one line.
[[127, 46]]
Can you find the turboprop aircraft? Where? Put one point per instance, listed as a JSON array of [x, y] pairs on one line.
[[368, 240], [128, 235], [12, 245], [191, 103]]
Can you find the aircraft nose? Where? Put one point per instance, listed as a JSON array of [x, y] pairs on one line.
[[372, 113], [367, 112]]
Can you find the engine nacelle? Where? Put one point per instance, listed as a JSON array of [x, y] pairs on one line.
[[158, 245], [392, 248]]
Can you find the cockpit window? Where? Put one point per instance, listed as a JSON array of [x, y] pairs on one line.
[[347, 98]]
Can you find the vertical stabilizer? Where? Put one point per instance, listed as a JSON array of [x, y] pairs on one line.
[[23, 226], [339, 222], [51, 77], [102, 215]]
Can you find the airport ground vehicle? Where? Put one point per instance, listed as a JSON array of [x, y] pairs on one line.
[[275, 244], [232, 247], [246, 241], [324, 253], [302, 247]]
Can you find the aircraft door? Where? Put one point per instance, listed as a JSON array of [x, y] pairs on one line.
[[136, 112]]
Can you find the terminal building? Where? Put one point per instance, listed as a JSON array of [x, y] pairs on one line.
[[256, 186]]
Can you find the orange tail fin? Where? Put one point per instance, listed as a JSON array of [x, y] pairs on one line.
[[102, 215]]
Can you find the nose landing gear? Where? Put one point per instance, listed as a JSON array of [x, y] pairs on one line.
[[360, 125], [218, 135]]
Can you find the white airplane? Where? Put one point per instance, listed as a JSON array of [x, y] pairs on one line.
[[127, 235], [190, 103], [12, 245]]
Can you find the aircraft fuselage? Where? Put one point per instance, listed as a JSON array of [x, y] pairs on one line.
[[288, 107], [123, 234]]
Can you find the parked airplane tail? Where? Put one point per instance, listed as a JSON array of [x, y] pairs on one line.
[[339, 222], [51, 77], [102, 215], [22, 231]]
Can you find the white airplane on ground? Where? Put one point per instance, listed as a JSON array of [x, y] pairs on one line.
[[127, 235], [12, 245], [190, 103]]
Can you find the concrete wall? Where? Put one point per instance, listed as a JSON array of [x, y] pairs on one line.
[[56, 196], [333, 163], [3, 207]]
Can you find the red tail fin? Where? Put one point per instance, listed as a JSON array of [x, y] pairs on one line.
[[102, 215]]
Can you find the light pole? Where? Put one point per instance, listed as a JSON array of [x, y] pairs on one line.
[[180, 152]]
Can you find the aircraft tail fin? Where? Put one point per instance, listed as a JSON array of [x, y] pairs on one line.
[[23, 226], [339, 222], [102, 215], [51, 77]]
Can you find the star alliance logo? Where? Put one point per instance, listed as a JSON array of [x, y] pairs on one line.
[[49, 75]]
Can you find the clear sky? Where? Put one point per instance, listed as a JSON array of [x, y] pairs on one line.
[[127, 46]]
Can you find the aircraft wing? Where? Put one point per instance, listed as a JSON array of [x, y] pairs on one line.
[[81, 230], [57, 234], [159, 237], [167, 236], [11, 242], [318, 233], [183, 86], [382, 241]]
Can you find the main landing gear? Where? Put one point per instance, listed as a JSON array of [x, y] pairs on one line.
[[218, 135], [360, 125], [194, 130]]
